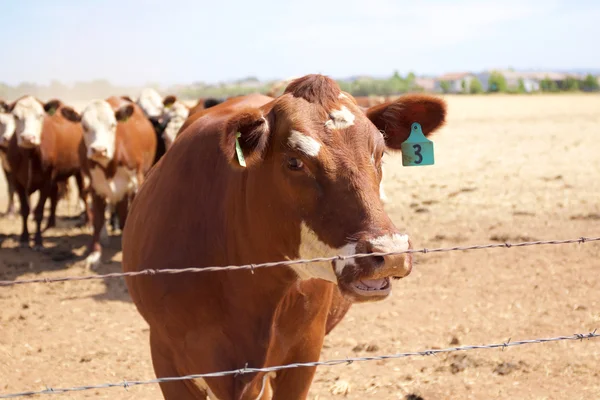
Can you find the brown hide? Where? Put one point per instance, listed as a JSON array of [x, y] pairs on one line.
[[198, 208], [58, 157]]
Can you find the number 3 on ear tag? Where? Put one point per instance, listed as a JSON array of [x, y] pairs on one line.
[[417, 150]]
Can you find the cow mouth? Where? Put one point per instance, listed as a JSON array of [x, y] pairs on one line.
[[371, 287]]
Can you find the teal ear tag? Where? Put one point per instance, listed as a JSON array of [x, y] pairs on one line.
[[417, 150], [238, 150]]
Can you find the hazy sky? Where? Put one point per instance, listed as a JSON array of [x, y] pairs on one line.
[[181, 41]]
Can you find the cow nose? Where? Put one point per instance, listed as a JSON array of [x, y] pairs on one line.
[[99, 151], [382, 264]]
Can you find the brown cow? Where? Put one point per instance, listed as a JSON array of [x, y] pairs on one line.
[[309, 187], [7, 129], [120, 145], [45, 150]]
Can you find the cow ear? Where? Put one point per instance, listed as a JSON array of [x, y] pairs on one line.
[[169, 101], [51, 106], [70, 114], [123, 113], [4, 107], [127, 98], [252, 130], [396, 118]]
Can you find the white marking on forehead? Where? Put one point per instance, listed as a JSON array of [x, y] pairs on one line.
[[98, 112], [340, 119], [304, 143], [7, 126], [395, 242], [151, 102], [176, 116], [27, 105]]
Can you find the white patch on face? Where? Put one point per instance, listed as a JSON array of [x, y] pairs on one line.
[[114, 190], [304, 143], [29, 115], [390, 243], [7, 128], [151, 102], [99, 131], [340, 119], [176, 115]]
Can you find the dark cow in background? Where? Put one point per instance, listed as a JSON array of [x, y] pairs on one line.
[[307, 186], [45, 150], [120, 144], [7, 130]]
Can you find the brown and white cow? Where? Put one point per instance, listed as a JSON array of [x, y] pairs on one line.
[[7, 129], [45, 150], [120, 145], [310, 188]]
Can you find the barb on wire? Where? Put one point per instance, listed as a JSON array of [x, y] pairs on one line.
[[253, 267], [246, 370]]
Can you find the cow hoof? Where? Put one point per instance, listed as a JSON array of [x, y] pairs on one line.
[[23, 244], [104, 238], [93, 260], [38, 247]]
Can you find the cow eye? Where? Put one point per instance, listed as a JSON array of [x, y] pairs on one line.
[[295, 164]]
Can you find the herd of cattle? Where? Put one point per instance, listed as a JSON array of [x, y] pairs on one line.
[[249, 180]]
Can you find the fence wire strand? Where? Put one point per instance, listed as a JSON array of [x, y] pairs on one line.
[[246, 370], [252, 267]]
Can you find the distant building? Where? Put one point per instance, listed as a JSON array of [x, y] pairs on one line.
[[457, 82]]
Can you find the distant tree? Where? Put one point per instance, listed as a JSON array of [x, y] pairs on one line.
[[548, 85], [463, 85], [571, 84], [475, 87], [521, 86], [445, 86], [497, 83], [590, 83]]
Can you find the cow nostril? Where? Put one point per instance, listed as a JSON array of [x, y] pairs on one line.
[[378, 260]]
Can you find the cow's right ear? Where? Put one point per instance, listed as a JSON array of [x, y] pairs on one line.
[[253, 130], [169, 101], [70, 114], [123, 113], [51, 106]]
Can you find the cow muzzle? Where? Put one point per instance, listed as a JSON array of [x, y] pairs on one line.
[[368, 278], [28, 141], [98, 153]]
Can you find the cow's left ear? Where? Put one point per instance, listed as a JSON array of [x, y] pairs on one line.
[[123, 113], [252, 130], [51, 106], [4, 107], [70, 114], [396, 118]]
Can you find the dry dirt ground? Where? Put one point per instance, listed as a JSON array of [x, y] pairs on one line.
[[507, 169]]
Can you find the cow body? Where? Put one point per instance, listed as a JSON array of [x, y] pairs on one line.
[[46, 149], [309, 189], [7, 130], [120, 146]]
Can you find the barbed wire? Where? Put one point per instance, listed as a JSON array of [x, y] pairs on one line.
[[246, 370], [252, 267]]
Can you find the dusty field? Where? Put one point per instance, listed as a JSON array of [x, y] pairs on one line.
[[508, 169]]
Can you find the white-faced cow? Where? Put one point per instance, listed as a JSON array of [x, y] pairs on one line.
[[309, 188], [120, 145], [7, 129], [46, 149]]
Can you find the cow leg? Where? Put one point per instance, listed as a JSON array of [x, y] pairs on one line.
[[10, 210], [24, 200], [122, 209], [95, 250], [164, 366], [39, 212], [83, 195], [53, 203]]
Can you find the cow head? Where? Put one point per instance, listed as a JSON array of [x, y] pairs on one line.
[[7, 125], [151, 103], [173, 119], [99, 122], [29, 114], [321, 157]]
